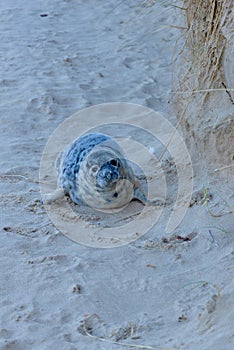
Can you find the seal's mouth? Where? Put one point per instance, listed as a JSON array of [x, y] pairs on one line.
[[107, 176]]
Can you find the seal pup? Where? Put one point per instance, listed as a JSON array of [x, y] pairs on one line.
[[94, 172]]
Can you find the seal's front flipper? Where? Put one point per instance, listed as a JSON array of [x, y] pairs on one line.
[[140, 196], [52, 197]]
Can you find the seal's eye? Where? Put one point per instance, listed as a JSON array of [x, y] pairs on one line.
[[114, 162], [94, 169]]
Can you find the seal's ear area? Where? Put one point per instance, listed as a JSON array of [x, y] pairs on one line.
[[111, 144]]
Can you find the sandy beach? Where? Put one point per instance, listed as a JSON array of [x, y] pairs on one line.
[[162, 291]]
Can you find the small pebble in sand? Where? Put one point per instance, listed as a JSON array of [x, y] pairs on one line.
[[76, 289]]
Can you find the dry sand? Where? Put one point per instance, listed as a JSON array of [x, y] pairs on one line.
[[162, 291]]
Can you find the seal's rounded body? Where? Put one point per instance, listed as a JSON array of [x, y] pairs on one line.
[[93, 171]]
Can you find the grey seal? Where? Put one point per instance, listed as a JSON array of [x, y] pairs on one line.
[[94, 172]]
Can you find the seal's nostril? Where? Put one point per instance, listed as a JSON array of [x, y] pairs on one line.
[[109, 174]]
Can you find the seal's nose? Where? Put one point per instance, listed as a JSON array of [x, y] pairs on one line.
[[108, 174]]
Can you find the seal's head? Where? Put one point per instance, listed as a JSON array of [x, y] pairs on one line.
[[104, 167], [105, 179]]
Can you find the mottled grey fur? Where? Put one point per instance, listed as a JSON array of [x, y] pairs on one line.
[[90, 171]]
